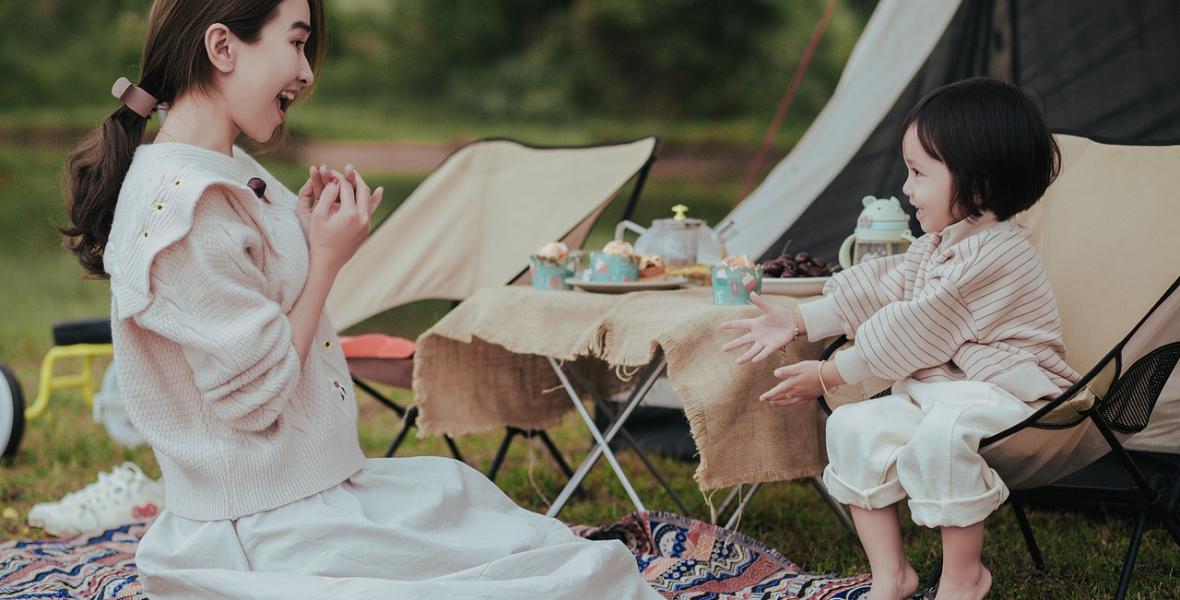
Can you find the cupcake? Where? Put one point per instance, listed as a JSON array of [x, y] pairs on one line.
[[615, 263], [549, 267], [738, 261], [619, 248], [734, 278], [555, 252], [652, 268]]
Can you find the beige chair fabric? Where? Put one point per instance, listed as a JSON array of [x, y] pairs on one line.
[[1107, 233], [475, 220]]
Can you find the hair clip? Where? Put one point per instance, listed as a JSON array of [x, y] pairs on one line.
[[134, 97]]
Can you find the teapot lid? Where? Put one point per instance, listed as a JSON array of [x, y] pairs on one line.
[[678, 221]]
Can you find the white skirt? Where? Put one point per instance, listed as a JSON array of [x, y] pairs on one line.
[[422, 527]]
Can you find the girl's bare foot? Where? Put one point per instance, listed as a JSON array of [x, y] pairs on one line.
[[965, 590], [898, 587]]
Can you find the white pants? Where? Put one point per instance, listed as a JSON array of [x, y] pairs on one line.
[[922, 442]]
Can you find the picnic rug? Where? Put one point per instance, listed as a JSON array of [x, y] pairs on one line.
[[682, 558]]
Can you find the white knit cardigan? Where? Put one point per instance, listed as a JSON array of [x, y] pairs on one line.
[[202, 274]]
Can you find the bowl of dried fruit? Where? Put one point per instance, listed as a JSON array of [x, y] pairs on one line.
[[799, 274]]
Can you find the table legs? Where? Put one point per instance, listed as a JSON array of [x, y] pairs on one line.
[[602, 440]]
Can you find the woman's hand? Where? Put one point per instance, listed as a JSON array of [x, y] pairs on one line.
[[800, 383], [774, 329], [318, 178], [339, 222]]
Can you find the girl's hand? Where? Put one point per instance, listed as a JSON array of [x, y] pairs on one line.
[[800, 384], [339, 223], [772, 330]]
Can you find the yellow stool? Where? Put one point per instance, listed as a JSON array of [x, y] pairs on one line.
[[86, 340]]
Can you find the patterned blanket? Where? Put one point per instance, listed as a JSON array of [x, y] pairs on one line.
[[682, 558], [686, 559]]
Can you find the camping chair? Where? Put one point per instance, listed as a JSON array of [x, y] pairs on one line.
[[473, 224], [1126, 335]]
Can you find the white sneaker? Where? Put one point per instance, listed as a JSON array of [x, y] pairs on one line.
[[122, 495]]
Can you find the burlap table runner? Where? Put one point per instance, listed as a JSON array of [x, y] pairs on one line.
[[483, 367]]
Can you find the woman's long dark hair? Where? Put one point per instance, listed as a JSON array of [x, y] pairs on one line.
[[174, 62]]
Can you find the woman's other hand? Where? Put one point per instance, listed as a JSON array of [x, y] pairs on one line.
[[313, 188]]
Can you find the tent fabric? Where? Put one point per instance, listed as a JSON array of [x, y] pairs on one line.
[[1103, 70], [475, 220], [895, 43]]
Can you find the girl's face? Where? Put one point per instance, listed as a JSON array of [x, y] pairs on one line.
[[269, 73], [928, 184]]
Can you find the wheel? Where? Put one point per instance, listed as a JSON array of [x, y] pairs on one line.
[[12, 413]]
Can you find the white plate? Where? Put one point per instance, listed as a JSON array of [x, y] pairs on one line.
[[793, 286], [603, 287]]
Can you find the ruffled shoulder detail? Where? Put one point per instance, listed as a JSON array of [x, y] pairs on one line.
[[156, 208]]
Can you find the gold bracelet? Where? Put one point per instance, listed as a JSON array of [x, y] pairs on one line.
[[820, 371]]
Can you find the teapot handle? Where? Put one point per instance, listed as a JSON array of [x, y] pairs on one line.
[[623, 226], [845, 256]]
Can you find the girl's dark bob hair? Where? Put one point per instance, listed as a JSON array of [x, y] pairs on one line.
[[993, 139]]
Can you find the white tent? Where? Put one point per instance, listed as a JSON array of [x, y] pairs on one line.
[[1102, 70]]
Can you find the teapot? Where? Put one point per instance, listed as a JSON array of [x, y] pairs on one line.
[[882, 229], [680, 241]]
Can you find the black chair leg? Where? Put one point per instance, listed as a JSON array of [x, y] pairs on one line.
[[410, 420], [398, 439], [502, 452], [935, 575], [1132, 553], [556, 454], [378, 396], [454, 448], [1026, 529], [549, 445]]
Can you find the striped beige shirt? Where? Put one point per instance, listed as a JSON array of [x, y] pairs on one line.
[[969, 303]]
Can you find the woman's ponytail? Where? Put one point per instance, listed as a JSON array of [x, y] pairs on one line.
[[94, 175], [174, 62]]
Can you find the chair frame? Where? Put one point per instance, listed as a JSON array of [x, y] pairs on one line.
[[1108, 414]]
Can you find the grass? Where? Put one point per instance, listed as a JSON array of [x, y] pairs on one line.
[[64, 449]]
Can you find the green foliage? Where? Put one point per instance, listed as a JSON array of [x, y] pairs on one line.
[[673, 56], [64, 53], [555, 60]]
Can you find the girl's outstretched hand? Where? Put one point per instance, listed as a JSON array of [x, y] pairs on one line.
[[800, 383], [772, 330]]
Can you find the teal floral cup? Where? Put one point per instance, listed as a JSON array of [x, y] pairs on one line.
[[613, 268], [732, 285], [546, 274]]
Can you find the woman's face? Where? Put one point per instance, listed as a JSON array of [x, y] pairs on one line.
[[269, 73], [928, 184]]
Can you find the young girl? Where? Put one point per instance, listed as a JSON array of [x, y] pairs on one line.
[[965, 323], [231, 370]]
